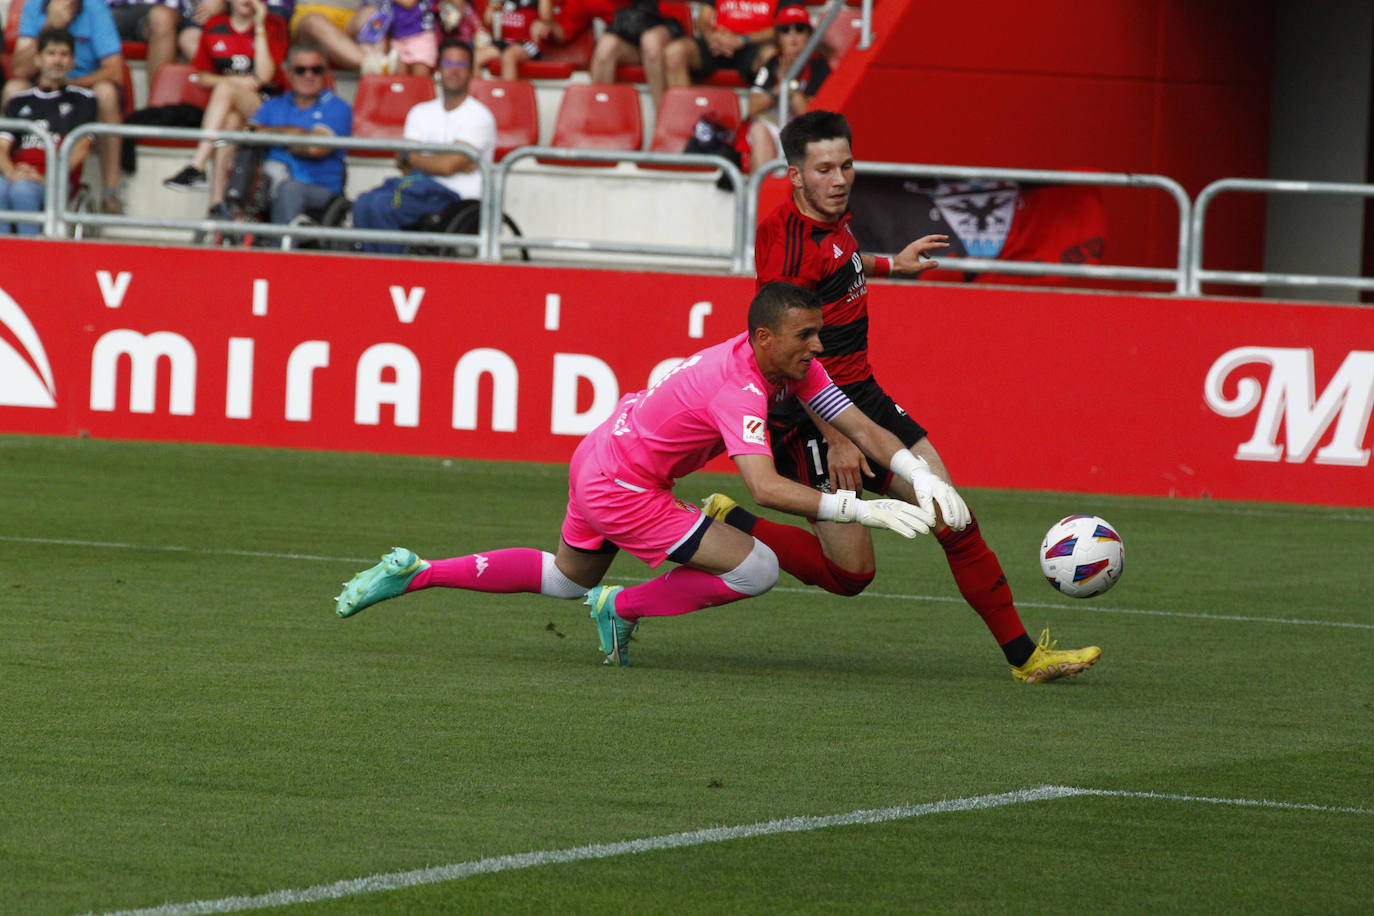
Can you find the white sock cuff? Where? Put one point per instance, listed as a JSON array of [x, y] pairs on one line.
[[757, 574], [553, 584]]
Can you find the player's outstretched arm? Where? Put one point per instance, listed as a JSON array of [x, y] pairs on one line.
[[912, 260], [769, 489], [882, 446]]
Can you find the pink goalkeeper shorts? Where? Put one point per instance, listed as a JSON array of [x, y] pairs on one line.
[[649, 523]]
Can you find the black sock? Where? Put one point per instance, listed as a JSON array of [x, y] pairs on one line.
[[1019, 650], [742, 519]]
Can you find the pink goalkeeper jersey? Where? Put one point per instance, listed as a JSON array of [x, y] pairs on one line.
[[715, 400]]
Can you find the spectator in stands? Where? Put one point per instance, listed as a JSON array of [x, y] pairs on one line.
[[401, 33], [304, 177], [98, 66], [336, 29], [154, 22], [638, 33], [458, 20], [520, 29], [239, 60], [733, 35], [793, 30], [196, 13], [23, 160], [433, 181]]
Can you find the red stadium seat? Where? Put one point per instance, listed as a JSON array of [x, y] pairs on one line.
[[135, 50], [599, 116], [381, 103], [126, 88], [172, 85], [679, 112], [557, 62], [517, 114]]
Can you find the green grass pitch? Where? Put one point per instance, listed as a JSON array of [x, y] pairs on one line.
[[184, 720]]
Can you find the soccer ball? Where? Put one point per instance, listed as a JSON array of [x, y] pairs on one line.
[[1082, 556]]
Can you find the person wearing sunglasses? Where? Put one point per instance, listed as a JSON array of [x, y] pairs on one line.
[[304, 177], [433, 181], [793, 30]]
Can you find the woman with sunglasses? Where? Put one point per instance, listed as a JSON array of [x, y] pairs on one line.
[[792, 26]]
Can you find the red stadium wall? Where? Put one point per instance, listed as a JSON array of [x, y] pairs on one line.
[[1123, 393], [1152, 86]]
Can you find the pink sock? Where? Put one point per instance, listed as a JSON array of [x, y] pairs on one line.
[[511, 569], [678, 591]]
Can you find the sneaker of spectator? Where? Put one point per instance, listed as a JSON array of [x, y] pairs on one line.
[[239, 60], [98, 65]]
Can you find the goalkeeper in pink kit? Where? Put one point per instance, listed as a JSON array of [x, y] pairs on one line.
[[621, 477]]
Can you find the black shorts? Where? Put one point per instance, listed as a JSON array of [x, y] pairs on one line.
[[799, 449], [742, 62], [631, 22]]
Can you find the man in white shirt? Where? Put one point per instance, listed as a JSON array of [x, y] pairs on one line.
[[433, 181]]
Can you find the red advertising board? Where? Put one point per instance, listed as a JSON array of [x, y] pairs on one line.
[[1041, 390]]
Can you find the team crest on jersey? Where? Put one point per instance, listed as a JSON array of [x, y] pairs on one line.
[[755, 430]]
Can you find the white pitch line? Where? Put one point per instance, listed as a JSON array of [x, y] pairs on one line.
[[1090, 608], [399, 880]]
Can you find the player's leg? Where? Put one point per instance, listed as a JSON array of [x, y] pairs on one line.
[[980, 579], [838, 558]]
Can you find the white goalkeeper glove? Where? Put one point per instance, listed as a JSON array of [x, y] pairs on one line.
[[931, 491], [892, 514]]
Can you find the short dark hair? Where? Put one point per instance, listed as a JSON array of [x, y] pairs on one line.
[[773, 300], [813, 127], [306, 47], [56, 33], [456, 43]]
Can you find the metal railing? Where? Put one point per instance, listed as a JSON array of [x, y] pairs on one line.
[[1199, 276], [53, 188], [734, 254], [1187, 277], [1178, 275], [68, 217]]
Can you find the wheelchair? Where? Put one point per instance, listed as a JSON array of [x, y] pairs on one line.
[[461, 217], [248, 199]]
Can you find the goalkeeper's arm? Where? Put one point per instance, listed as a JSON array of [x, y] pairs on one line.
[[768, 488]]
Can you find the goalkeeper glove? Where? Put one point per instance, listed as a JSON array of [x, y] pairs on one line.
[[931, 491], [892, 514]]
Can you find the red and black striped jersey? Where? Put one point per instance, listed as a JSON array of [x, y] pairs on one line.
[[823, 257]]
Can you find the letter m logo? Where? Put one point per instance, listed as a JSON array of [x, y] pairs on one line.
[[1290, 401]]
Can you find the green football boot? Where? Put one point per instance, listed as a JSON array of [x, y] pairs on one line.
[[387, 579], [613, 630]]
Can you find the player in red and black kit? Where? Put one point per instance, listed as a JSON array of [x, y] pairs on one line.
[[807, 240]]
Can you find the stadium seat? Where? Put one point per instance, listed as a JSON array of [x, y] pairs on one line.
[[381, 103], [682, 107], [558, 62], [135, 50], [127, 89], [171, 85], [517, 114], [842, 35], [682, 12], [600, 117]]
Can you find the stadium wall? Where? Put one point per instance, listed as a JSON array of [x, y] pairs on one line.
[[1133, 394], [1164, 87]]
